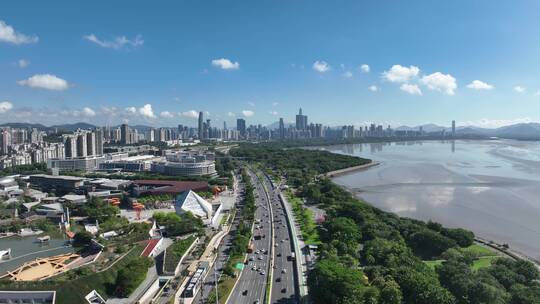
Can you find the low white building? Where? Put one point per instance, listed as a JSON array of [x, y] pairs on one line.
[[190, 201]]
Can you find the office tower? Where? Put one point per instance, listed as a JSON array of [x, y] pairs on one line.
[[281, 129], [124, 134], [224, 125], [301, 121], [201, 125], [453, 128], [90, 143], [241, 126]]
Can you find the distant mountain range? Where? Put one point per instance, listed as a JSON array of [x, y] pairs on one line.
[[516, 131]]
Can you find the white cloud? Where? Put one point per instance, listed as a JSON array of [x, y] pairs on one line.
[[166, 114], [398, 73], [251, 104], [373, 88], [273, 113], [117, 43], [479, 85], [226, 64], [440, 82], [45, 81], [231, 114], [109, 111], [495, 123], [190, 114], [5, 106], [321, 66], [22, 63], [519, 89], [88, 112], [248, 113], [275, 104], [348, 74], [365, 68], [411, 89], [9, 35], [146, 111], [131, 110]]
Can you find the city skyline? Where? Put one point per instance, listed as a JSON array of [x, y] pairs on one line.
[[403, 75]]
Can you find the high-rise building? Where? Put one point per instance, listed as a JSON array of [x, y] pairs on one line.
[[281, 129], [99, 141], [82, 147], [124, 134], [90, 143], [5, 141], [453, 128], [201, 125], [241, 126], [301, 121]]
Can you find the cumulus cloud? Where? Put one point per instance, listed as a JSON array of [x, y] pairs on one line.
[[365, 68], [231, 114], [9, 35], [117, 43], [400, 74], [273, 113], [226, 64], [440, 82], [5, 106], [479, 85], [411, 89], [373, 88], [146, 111], [131, 110], [45, 81], [519, 89], [22, 63], [248, 113], [321, 66], [190, 114], [166, 114], [109, 111], [88, 112]]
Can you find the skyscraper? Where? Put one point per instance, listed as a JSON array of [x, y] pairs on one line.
[[124, 134], [453, 128], [301, 121], [281, 129], [241, 126], [201, 125]]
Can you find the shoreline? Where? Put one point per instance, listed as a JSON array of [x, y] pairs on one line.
[[348, 170], [495, 246]]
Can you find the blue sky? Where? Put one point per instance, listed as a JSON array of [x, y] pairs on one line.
[[106, 62]]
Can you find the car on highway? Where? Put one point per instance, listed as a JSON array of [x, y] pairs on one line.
[[283, 270], [262, 272], [245, 292]]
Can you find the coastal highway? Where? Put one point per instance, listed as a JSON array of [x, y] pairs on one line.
[[223, 250], [284, 283], [251, 285]]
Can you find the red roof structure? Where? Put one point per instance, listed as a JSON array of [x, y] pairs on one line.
[[150, 247], [157, 187]]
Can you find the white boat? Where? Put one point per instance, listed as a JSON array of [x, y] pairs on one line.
[[5, 254], [44, 239]]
